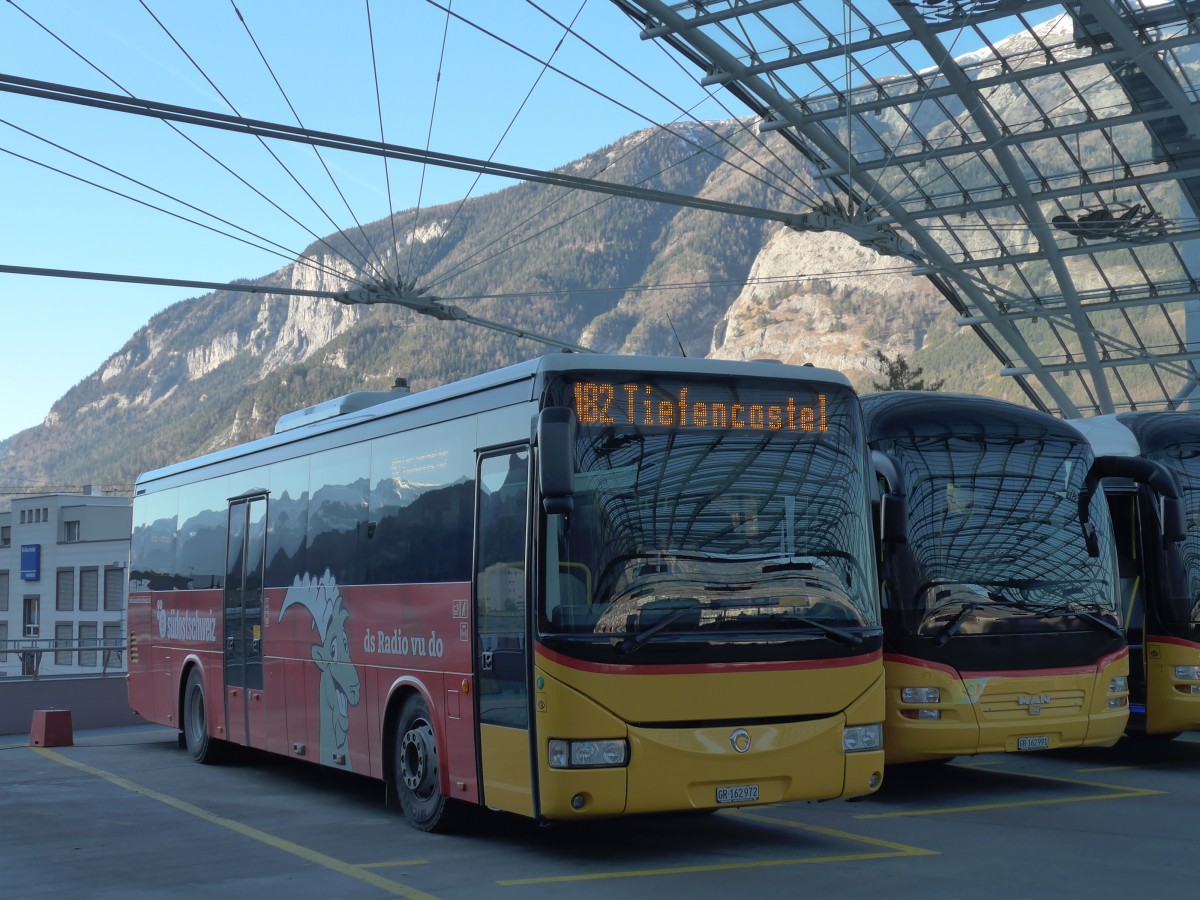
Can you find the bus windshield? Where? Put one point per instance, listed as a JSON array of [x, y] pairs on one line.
[[994, 525], [715, 533]]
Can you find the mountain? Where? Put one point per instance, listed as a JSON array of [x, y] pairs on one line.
[[613, 274], [221, 368]]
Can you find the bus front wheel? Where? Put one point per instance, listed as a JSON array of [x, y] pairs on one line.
[[195, 721], [417, 774]]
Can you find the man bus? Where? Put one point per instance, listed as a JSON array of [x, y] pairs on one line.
[[580, 586], [1153, 493], [1001, 627]]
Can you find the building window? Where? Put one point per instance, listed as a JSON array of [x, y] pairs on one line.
[[89, 589], [64, 592], [87, 638], [114, 588], [4, 591], [63, 638], [33, 615], [5, 535], [23, 516], [70, 531], [3, 642], [112, 638]]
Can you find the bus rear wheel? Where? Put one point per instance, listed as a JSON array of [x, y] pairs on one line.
[[416, 771], [200, 745]]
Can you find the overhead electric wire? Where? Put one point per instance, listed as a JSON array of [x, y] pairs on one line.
[[258, 127], [282, 165], [387, 178], [462, 266], [782, 189], [308, 263], [145, 203], [296, 116], [583, 84], [428, 134], [458, 208], [292, 254]]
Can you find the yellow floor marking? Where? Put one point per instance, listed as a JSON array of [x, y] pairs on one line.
[[1116, 792], [891, 850], [314, 856]]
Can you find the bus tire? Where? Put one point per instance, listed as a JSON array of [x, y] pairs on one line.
[[416, 770], [200, 745]]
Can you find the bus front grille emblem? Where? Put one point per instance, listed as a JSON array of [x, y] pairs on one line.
[[1034, 703], [740, 740]]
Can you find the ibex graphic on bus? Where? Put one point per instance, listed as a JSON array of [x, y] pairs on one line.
[[340, 688]]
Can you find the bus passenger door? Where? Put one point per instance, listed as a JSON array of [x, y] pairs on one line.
[[243, 620], [1127, 530], [502, 659]]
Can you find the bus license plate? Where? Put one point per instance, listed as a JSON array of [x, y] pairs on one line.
[[1033, 743], [737, 793]]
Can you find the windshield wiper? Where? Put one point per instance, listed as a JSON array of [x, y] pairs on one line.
[[951, 628], [838, 634], [631, 643], [1098, 621]]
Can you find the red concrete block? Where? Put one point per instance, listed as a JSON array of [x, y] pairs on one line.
[[51, 728]]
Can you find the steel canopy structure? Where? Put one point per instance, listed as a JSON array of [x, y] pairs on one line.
[[1047, 182]]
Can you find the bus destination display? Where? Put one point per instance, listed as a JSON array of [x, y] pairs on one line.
[[686, 407]]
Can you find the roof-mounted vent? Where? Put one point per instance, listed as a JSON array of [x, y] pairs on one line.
[[340, 406]]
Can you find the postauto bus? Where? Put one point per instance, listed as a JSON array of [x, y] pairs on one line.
[[1001, 624], [581, 586], [1153, 489]]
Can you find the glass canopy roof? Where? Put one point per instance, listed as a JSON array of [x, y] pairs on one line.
[[1047, 181]]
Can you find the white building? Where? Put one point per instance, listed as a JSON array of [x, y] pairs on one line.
[[63, 584]]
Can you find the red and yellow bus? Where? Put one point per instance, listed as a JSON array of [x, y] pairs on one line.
[[1153, 487], [580, 586], [1000, 605]]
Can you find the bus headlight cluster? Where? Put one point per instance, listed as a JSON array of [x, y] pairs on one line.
[[856, 738], [1187, 673], [1118, 685], [588, 754], [920, 695]]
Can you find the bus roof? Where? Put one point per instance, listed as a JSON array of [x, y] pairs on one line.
[[888, 412], [1136, 433], [369, 406]]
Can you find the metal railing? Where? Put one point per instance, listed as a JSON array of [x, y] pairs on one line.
[[86, 655]]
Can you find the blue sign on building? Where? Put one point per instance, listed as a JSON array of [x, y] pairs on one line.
[[31, 562]]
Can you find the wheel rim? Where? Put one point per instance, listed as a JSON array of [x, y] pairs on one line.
[[418, 759]]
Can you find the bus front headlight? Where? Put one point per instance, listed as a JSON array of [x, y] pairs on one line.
[[595, 754], [920, 695], [857, 738]]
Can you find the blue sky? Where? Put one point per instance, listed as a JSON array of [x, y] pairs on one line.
[[60, 331]]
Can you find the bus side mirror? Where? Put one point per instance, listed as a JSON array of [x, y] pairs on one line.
[[1174, 520], [556, 458], [893, 519]]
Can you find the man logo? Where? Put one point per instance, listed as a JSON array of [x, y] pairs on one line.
[[740, 740]]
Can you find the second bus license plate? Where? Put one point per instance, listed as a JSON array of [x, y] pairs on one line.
[[737, 793], [1033, 743]]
